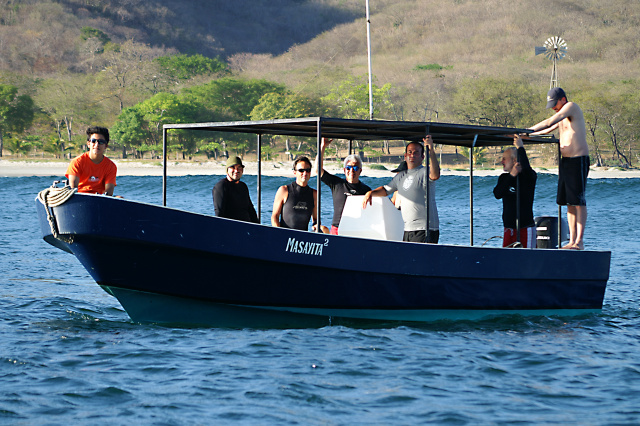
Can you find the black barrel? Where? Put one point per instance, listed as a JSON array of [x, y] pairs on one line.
[[547, 231]]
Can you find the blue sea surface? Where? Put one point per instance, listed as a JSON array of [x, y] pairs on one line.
[[69, 354]]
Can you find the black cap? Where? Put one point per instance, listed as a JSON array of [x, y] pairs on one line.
[[554, 96], [401, 167]]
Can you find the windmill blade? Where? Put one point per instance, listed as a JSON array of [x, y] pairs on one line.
[[555, 48], [561, 53], [562, 49]]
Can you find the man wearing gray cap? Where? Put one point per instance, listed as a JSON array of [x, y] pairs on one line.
[[574, 163], [231, 197]]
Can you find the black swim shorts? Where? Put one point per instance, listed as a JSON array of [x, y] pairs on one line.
[[419, 236], [572, 181]]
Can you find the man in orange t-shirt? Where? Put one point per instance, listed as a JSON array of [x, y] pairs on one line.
[[92, 172]]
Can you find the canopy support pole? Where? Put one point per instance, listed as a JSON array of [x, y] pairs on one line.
[[473, 144], [164, 167], [259, 178], [319, 177], [369, 61], [518, 202], [559, 206], [427, 151]]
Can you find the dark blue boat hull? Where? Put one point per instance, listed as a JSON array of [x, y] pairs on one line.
[[154, 259]]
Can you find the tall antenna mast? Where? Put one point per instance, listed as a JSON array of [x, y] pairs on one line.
[[369, 60], [555, 48]]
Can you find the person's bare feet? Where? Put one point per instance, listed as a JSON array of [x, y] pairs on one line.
[[573, 246]]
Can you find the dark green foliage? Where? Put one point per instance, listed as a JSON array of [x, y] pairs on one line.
[[184, 67], [16, 111], [432, 67], [87, 32], [288, 105], [237, 97]]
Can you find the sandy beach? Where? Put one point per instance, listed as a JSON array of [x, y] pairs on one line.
[[17, 168]]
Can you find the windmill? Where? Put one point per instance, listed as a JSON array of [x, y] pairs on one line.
[[555, 48]]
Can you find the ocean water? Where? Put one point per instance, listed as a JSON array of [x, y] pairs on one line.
[[69, 354]]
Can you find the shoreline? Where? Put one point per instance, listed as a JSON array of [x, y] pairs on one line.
[[26, 168]]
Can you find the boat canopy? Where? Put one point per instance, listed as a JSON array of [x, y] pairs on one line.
[[464, 135], [371, 130]]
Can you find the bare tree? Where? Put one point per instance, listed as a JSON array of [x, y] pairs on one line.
[[592, 127], [68, 101], [611, 129], [126, 69]]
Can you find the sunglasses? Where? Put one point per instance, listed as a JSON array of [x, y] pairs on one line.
[[100, 141], [354, 168], [304, 170]]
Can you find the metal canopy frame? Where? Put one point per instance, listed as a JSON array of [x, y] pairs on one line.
[[463, 135], [371, 130]]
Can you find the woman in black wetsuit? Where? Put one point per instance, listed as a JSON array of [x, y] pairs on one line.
[[295, 203]]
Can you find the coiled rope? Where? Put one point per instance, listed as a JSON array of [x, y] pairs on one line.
[[54, 197]]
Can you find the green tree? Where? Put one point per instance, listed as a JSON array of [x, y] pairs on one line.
[[286, 105], [211, 149], [144, 148], [184, 67], [351, 99], [24, 145], [130, 129], [232, 97], [165, 108], [16, 112], [479, 154], [54, 146], [87, 32]]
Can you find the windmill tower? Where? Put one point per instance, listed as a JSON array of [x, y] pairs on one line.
[[555, 48]]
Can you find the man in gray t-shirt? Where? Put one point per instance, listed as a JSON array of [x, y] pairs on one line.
[[411, 187]]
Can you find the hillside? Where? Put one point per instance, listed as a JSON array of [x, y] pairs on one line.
[[290, 40], [44, 36], [434, 57], [469, 39]]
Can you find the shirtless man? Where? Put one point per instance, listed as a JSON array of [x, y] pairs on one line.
[[574, 163]]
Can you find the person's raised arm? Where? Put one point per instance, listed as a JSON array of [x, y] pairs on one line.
[[323, 145], [522, 159], [278, 203], [551, 123], [378, 192], [434, 165], [545, 131]]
